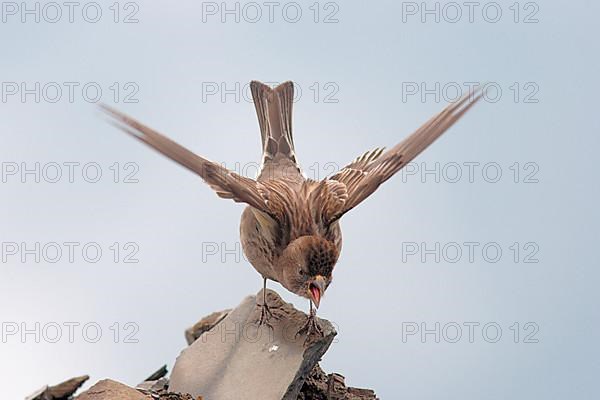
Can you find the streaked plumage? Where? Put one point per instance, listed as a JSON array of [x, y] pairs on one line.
[[290, 230]]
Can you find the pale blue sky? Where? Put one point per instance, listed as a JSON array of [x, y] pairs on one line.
[[364, 61]]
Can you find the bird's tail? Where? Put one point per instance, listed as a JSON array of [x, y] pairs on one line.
[[274, 111]]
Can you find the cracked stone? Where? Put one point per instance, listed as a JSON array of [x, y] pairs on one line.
[[237, 359]]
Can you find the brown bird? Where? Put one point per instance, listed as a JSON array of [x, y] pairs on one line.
[[290, 229]]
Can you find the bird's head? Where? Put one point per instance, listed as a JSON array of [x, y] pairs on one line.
[[307, 264]]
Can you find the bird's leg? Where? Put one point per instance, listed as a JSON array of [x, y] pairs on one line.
[[311, 326], [265, 311]]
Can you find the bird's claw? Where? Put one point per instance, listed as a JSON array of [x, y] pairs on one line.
[[265, 315], [310, 327]]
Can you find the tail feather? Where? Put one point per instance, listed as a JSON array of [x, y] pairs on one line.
[[274, 111]]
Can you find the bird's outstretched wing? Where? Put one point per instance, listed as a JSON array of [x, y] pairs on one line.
[[364, 175], [227, 184]]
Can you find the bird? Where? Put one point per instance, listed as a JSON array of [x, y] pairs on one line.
[[290, 228]]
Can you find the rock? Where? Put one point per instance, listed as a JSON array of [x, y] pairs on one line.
[[162, 371], [230, 357], [236, 359], [38, 394], [175, 396], [156, 386], [62, 391], [204, 325], [320, 386], [111, 390], [155, 382], [360, 394]]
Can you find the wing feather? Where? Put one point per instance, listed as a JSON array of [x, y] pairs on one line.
[[366, 173], [227, 184]]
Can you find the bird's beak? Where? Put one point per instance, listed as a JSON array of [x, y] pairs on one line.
[[316, 288]]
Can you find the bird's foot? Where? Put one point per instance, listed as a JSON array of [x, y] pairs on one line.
[[266, 314], [310, 327]]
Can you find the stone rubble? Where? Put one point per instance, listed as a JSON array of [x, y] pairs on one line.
[[229, 357]]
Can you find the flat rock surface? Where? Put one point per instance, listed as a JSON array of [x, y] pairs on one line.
[[236, 359], [111, 390], [61, 391]]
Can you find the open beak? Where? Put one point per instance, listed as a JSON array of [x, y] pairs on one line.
[[316, 288]]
